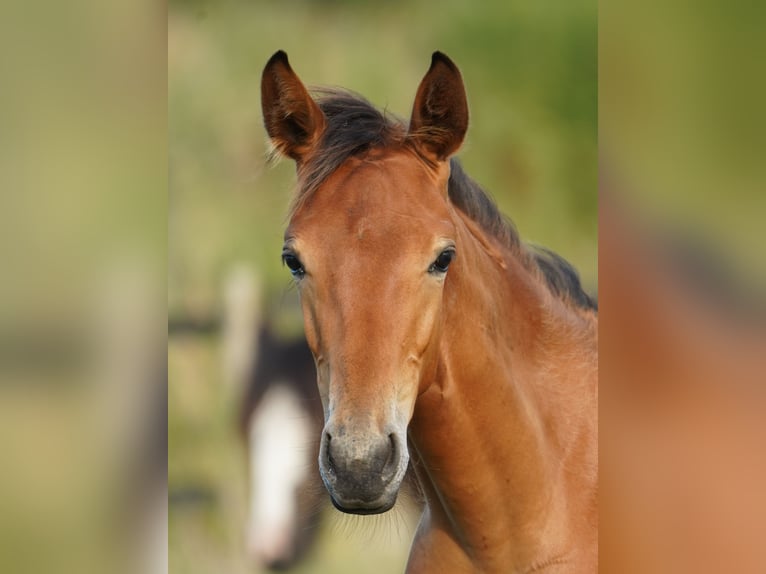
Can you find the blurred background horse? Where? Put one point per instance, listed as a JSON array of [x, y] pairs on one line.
[[280, 418]]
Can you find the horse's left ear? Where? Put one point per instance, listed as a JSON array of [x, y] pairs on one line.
[[440, 114], [292, 118]]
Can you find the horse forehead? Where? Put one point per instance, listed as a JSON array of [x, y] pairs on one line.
[[389, 198]]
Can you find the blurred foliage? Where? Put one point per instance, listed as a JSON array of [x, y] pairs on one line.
[[681, 116], [82, 226]]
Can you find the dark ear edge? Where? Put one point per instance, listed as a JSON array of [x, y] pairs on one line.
[[291, 117], [440, 113]]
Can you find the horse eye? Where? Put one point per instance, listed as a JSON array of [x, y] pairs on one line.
[[293, 264], [442, 262]]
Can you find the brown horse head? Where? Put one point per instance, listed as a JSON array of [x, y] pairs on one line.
[[370, 239]]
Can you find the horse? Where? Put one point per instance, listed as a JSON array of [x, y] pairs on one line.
[[683, 461], [438, 335], [278, 414], [279, 417]]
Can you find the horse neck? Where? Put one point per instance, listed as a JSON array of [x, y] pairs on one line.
[[511, 406]]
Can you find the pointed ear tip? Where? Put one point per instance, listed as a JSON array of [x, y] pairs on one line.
[[440, 57], [280, 56]]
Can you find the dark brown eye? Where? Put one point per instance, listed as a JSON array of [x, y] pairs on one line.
[[293, 264], [442, 262]]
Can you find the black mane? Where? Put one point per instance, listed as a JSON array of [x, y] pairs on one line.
[[354, 125], [468, 196]]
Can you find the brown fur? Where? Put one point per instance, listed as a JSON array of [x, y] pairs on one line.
[[491, 369]]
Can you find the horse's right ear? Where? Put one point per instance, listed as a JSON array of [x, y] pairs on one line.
[[292, 118]]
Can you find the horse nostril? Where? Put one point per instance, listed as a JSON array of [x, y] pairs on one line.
[[392, 460], [391, 450], [328, 452], [343, 456]]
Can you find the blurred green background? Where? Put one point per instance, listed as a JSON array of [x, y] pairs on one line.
[[530, 69], [682, 127]]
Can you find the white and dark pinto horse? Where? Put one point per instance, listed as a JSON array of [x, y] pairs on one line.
[[280, 419]]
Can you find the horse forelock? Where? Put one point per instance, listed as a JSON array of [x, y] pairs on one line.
[[352, 126]]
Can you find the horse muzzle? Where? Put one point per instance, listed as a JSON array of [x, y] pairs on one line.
[[362, 471]]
